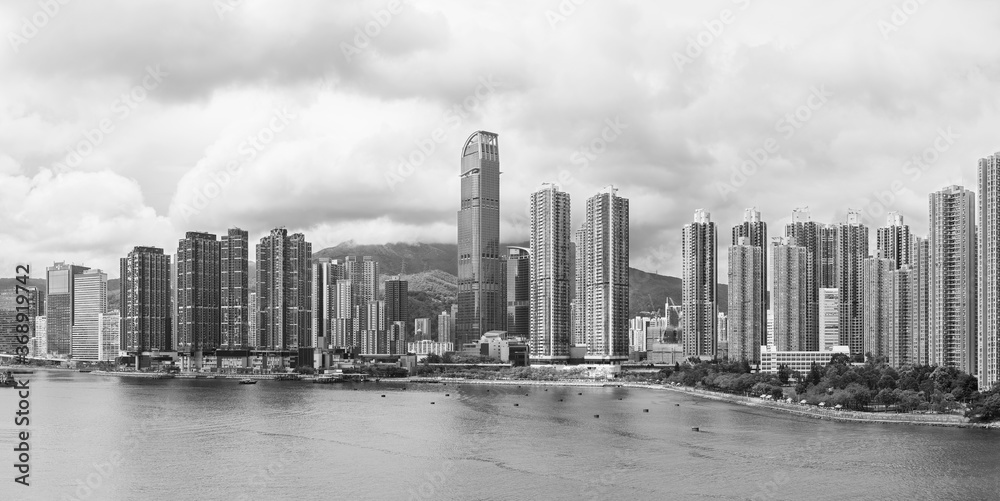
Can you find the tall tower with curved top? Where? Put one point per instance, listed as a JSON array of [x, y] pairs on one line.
[[481, 301]]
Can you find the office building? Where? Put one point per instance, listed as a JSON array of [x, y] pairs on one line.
[[829, 317], [550, 332], [90, 297], [602, 277], [746, 322], [953, 322], [145, 301], [518, 291], [59, 279], [481, 305]]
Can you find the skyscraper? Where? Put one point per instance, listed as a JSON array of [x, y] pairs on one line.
[[110, 325], [852, 249], [550, 329], [903, 342], [90, 298], [952, 320], [811, 236], [59, 306], [235, 290], [517, 295], [324, 276], [602, 279], [790, 273], [877, 303], [756, 232], [894, 240], [397, 307], [444, 327], [746, 320], [920, 258], [145, 296], [989, 271], [198, 290], [11, 320], [284, 291], [699, 277], [481, 305], [829, 318]]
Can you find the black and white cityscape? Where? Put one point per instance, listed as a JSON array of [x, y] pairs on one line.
[[500, 250]]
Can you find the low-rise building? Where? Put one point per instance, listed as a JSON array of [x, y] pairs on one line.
[[771, 358]]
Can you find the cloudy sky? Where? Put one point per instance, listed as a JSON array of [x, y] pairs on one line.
[[128, 123]]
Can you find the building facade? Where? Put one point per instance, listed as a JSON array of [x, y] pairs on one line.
[[284, 292], [790, 273], [699, 273], [852, 249], [235, 290], [953, 322], [602, 277], [550, 332], [145, 301], [481, 305], [518, 294], [894, 240], [746, 320], [199, 305], [989, 272], [59, 279], [877, 294], [755, 230]]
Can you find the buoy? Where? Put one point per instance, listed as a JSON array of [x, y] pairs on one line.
[[447, 394], [560, 400], [645, 410], [677, 405], [515, 405], [383, 396], [579, 393], [525, 394], [432, 403], [694, 428], [546, 389], [619, 399], [597, 415]]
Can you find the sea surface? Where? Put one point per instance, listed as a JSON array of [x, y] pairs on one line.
[[100, 437]]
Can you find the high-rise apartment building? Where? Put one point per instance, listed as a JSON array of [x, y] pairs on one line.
[[894, 240], [397, 306], [699, 275], [444, 327], [953, 323], [989, 272], [810, 235], [602, 281], [920, 259], [550, 331], [110, 325], [852, 249], [790, 272], [235, 290], [518, 280], [284, 290], [481, 305], [755, 231], [59, 279], [877, 303], [904, 348], [422, 329], [746, 322], [145, 301], [198, 310]]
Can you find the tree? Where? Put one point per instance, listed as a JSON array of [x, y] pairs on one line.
[[784, 373]]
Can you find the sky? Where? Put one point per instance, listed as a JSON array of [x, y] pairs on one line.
[[129, 123]]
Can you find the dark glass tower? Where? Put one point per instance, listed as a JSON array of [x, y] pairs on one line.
[[518, 291], [481, 305]]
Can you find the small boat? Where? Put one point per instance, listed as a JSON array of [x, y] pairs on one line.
[[327, 380], [85, 370], [248, 381]]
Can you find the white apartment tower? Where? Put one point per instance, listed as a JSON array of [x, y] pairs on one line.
[[699, 275], [549, 334], [989, 271], [952, 303]]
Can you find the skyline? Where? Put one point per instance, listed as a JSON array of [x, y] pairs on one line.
[[337, 124]]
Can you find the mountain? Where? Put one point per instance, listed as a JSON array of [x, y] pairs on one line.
[[400, 258]]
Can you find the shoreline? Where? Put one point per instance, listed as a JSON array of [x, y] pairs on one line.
[[813, 412]]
